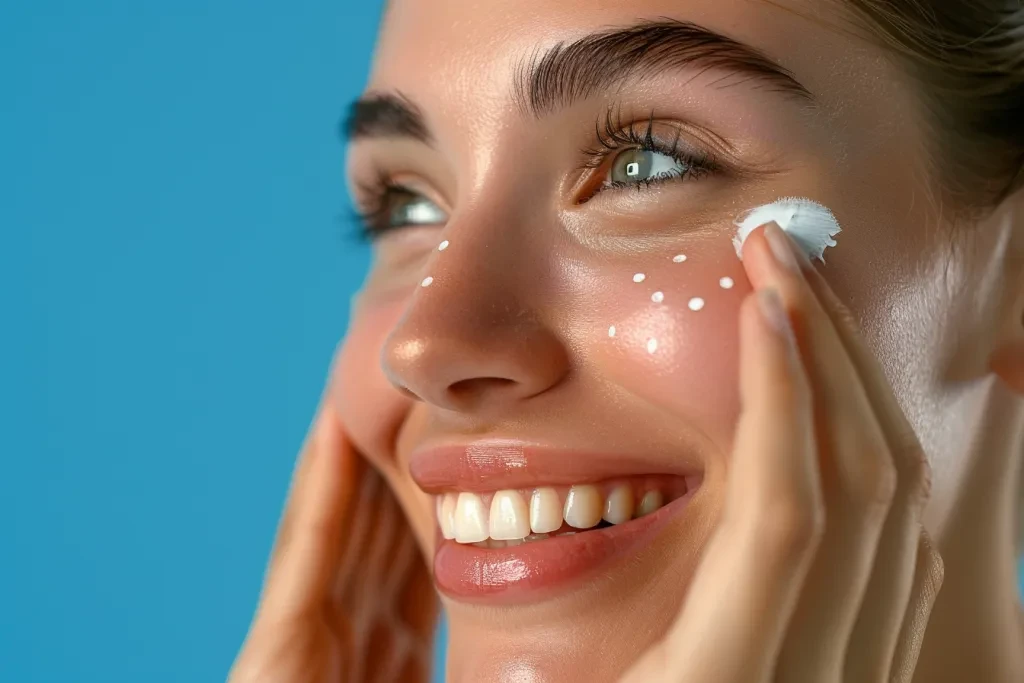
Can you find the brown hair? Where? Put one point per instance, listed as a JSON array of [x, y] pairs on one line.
[[969, 56]]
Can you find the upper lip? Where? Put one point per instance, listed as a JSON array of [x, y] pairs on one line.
[[496, 464]]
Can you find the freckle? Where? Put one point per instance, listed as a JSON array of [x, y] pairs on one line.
[[658, 297], [652, 345], [696, 303], [426, 281], [639, 277], [442, 246], [611, 331], [679, 258], [726, 283]]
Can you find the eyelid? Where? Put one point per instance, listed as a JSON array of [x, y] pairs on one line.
[[372, 196], [614, 133], [594, 179]]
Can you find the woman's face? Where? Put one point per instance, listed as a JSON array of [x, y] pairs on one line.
[[555, 292]]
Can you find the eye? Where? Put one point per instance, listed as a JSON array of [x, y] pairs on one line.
[[393, 206], [411, 208], [644, 165], [636, 156]]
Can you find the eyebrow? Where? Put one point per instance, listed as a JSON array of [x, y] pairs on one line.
[[385, 115], [569, 72], [572, 71]]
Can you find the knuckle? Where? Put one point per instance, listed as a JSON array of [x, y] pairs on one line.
[[789, 526], [874, 482], [916, 474], [844, 316]]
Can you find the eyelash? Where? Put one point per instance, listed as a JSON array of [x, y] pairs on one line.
[[612, 137], [616, 137], [371, 217]]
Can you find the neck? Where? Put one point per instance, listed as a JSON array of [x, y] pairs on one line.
[[976, 631]]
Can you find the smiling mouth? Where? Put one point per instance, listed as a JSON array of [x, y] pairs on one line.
[[513, 516], [518, 522]]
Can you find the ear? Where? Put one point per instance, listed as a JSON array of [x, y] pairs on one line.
[[1007, 359]]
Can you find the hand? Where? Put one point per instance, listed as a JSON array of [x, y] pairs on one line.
[[819, 570], [347, 596]]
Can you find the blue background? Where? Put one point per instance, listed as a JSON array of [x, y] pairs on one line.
[[174, 275], [175, 271]]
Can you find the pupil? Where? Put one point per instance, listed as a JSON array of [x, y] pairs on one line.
[[633, 164]]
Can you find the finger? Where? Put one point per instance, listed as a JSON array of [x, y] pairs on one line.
[[385, 603], [881, 618], [362, 598], [745, 588], [858, 476], [310, 539], [928, 576]]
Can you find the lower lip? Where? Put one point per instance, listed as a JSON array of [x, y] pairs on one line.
[[532, 571]]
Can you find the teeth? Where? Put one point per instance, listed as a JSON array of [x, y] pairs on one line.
[[510, 518], [470, 519], [446, 514], [583, 507], [652, 500], [619, 506], [545, 511]]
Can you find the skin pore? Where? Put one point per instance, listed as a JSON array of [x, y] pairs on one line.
[[510, 339]]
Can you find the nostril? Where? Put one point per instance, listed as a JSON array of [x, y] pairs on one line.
[[468, 389], [404, 391]]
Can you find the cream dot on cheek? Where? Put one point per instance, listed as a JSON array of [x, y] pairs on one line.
[[679, 258], [639, 277], [427, 281], [726, 283], [611, 331], [658, 297], [652, 345], [442, 246], [696, 303]]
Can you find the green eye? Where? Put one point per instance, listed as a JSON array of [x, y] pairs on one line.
[[643, 165], [408, 208]]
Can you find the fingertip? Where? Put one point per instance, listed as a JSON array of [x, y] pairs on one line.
[[755, 250]]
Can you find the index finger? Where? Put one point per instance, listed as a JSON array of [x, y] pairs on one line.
[[742, 597]]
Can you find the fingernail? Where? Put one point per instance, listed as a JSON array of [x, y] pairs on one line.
[[770, 303], [779, 243]]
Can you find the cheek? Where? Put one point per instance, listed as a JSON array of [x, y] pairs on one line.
[[671, 338], [371, 409]]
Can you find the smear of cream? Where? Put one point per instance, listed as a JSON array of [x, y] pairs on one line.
[[810, 224]]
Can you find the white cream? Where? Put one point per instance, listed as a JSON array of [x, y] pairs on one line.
[[811, 225]]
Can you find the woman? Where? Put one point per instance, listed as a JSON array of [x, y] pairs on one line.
[[790, 459]]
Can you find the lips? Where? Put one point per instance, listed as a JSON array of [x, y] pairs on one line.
[[518, 522]]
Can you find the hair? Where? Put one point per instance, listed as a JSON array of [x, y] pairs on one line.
[[969, 57]]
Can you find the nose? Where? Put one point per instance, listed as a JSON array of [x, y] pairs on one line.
[[475, 339]]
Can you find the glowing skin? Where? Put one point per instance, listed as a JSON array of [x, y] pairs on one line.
[[539, 325]]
